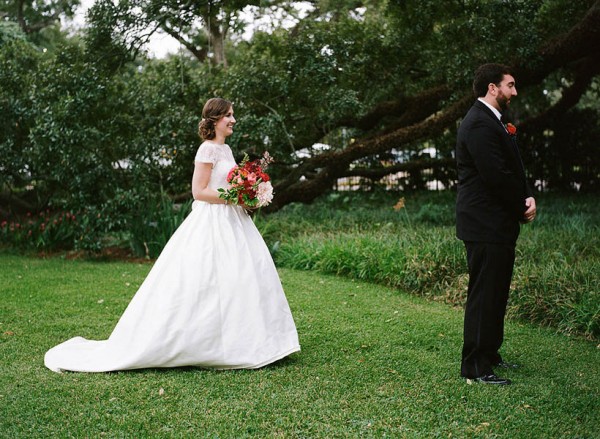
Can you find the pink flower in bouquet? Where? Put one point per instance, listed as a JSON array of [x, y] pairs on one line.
[[249, 183], [252, 177], [264, 193]]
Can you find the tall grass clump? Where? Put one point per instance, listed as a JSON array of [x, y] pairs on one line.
[[422, 260], [414, 248], [557, 276], [149, 229]]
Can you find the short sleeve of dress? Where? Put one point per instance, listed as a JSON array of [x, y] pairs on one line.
[[207, 153]]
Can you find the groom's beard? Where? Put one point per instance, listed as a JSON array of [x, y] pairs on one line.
[[502, 101]]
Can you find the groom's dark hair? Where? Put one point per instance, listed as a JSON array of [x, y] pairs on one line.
[[487, 74]]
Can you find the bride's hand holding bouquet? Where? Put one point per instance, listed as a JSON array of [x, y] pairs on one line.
[[250, 186]]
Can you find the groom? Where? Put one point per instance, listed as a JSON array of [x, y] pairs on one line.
[[493, 198]]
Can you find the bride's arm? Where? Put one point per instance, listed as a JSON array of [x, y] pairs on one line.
[[200, 189]]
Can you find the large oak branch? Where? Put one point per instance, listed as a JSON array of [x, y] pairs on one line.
[[317, 174]]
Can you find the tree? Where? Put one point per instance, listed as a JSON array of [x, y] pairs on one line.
[[202, 27], [34, 16], [388, 80], [359, 90]]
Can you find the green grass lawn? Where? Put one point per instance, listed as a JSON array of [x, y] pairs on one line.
[[374, 363]]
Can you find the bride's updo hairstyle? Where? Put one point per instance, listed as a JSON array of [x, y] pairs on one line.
[[213, 110]]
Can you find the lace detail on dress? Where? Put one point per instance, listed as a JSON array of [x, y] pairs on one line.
[[211, 153]]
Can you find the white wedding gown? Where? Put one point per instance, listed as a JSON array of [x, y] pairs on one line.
[[213, 298]]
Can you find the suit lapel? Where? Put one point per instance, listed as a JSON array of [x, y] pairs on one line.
[[490, 113], [511, 141]]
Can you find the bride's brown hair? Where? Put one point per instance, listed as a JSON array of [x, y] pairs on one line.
[[213, 110]]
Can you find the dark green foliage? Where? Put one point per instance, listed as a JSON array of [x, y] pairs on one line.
[[19, 61], [10, 31], [93, 127], [569, 150], [78, 138]]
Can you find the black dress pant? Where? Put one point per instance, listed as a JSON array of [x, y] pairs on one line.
[[490, 273]]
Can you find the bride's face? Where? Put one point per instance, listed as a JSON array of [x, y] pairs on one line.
[[224, 126]]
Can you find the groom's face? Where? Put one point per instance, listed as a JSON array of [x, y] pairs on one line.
[[505, 91]]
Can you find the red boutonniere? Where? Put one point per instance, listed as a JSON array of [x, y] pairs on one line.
[[512, 130]]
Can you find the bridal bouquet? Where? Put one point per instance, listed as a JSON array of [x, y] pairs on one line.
[[249, 184]]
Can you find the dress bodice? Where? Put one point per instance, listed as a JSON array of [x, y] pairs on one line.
[[221, 157]]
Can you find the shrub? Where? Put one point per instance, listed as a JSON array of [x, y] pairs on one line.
[[40, 231]]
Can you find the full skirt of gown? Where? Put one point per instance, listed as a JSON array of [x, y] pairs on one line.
[[212, 299]]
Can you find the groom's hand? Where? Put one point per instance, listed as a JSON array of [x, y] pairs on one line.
[[531, 210]]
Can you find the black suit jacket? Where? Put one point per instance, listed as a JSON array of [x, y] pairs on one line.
[[491, 180]]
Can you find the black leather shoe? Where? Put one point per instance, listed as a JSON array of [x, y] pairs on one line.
[[506, 365], [492, 379]]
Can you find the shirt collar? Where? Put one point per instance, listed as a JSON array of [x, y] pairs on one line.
[[495, 111]]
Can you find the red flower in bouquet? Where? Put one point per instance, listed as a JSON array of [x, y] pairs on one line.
[[512, 130], [249, 184]]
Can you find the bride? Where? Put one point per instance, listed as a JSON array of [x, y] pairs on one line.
[[213, 298]]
